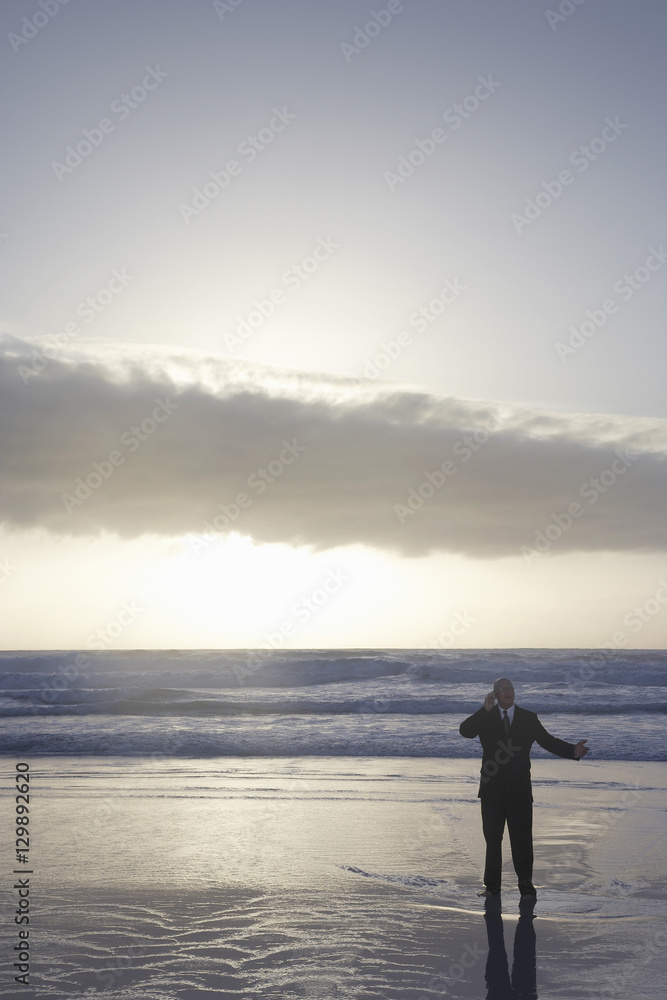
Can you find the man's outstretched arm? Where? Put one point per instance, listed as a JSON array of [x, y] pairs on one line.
[[571, 751]]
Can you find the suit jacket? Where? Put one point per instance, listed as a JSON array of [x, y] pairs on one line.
[[505, 771]]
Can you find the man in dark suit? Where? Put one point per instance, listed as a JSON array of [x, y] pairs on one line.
[[507, 733]]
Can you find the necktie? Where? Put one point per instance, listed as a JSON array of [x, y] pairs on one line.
[[506, 723]]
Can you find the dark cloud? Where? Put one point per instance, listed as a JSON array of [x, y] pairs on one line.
[[166, 446]]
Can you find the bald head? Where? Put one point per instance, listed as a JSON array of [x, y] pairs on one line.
[[504, 692]]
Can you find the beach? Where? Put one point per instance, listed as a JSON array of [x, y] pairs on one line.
[[285, 877]]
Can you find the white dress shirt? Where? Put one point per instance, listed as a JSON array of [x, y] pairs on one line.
[[510, 713]]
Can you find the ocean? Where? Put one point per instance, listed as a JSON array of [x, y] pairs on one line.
[[298, 703]]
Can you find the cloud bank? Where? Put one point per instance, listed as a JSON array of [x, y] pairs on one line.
[[140, 441]]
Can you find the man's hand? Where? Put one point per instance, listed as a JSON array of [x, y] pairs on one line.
[[489, 701], [581, 749]]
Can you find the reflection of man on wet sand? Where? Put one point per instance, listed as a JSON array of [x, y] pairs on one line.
[[507, 732], [523, 983]]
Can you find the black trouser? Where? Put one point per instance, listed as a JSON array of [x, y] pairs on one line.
[[519, 817]]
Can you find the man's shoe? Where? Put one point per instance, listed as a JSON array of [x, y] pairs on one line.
[[529, 897], [487, 893]]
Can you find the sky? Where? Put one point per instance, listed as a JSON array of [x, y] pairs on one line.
[[332, 324]]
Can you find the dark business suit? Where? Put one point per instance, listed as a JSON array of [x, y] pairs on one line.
[[505, 789]]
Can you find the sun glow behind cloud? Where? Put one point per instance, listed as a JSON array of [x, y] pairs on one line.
[[267, 570], [156, 593]]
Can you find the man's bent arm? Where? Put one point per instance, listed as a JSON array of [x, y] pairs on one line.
[[471, 726]]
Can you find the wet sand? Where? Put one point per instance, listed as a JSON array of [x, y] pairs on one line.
[[334, 877]]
